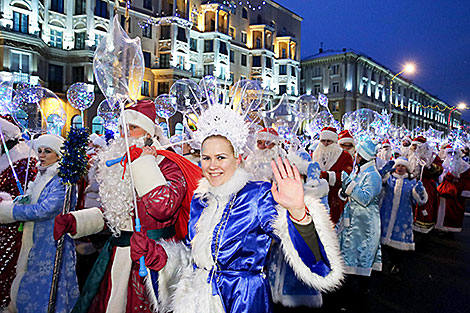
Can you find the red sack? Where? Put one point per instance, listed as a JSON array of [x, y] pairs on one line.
[[192, 174], [447, 188]]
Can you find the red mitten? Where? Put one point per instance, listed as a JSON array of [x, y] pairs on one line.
[[135, 152], [64, 223], [155, 255], [324, 175]]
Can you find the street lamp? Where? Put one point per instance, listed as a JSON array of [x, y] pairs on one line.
[[460, 106], [409, 68]]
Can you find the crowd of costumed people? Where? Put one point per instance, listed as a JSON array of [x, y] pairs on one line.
[[253, 205]]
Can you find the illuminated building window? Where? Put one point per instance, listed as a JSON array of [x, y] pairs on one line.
[[193, 44], [145, 88], [80, 41], [20, 22], [19, 62], [282, 89], [208, 45], [165, 32], [282, 69], [97, 125], [76, 121], [244, 40], [208, 69], [233, 32], [80, 7], [56, 38], [335, 87], [335, 69], [147, 31], [163, 87], [316, 89], [164, 60]]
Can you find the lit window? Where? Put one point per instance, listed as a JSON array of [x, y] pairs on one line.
[[97, 125], [56, 38], [335, 87], [20, 22], [76, 121], [145, 89]]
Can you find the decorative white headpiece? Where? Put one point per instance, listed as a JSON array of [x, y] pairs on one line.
[[205, 105]]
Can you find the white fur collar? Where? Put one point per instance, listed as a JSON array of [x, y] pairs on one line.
[[400, 176], [35, 187], [17, 153], [235, 184]]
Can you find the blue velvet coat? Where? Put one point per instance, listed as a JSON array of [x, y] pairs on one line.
[[34, 285]]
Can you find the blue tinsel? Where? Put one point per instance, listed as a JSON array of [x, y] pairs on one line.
[[73, 164]]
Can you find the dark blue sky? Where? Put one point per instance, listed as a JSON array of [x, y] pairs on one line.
[[434, 34]]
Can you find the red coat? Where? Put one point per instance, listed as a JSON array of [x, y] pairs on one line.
[[425, 215], [11, 238], [452, 192], [343, 163]]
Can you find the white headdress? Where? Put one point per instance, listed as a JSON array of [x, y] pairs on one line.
[[207, 101]]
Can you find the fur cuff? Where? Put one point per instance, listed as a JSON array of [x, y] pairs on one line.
[[319, 191], [327, 236], [420, 200], [6, 211], [331, 178], [350, 188], [89, 222], [147, 175], [341, 197]]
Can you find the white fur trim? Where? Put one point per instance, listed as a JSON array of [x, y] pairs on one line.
[[423, 230], [319, 191], [331, 178], [346, 140], [233, 185], [395, 205], [301, 164], [293, 301], [449, 229], [6, 211], [402, 162], [9, 130], [441, 212], [22, 264], [328, 135], [350, 188], [169, 276], [267, 136], [417, 197], [364, 154], [18, 152], [327, 235], [120, 271], [139, 119], [89, 222], [466, 193], [147, 175], [404, 246], [340, 196], [53, 142]]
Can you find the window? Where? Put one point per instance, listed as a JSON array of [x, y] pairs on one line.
[[181, 34], [222, 72], [335, 87], [76, 121], [232, 32], [147, 58], [80, 7], [223, 47], [293, 71], [283, 53], [147, 31], [256, 61], [165, 60], [101, 9], [282, 89], [282, 69], [316, 89], [56, 75], [145, 88], [258, 43], [20, 22], [245, 13], [208, 69], [231, 76], [292, 90], [19, 62], [334, 69], [123, 23], [335, 106], [78, 74], [180, 62], [80, 40], [193, 44], [163, 87], [243, 37], [165, 32], [56, 38], [57, 6], [98, 38], [269, 62], [208, 45], [193, 69], [232, 56], [97, 125], [148, 4], [243, 62]]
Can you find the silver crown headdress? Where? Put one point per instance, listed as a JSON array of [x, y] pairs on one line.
[[206, 106]]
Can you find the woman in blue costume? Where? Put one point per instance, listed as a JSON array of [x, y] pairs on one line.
[[233, 221], [402, 193], [44, 201]]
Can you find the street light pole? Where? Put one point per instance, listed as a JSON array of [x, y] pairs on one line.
[[460, 106], [409, 68]]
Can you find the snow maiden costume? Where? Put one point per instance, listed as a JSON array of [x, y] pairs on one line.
[[230, 232], [396, 212], [30, 289]]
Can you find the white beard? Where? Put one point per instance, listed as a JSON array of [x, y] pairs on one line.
[[326, 156], [404, 151], [116, 194], [259, 163]]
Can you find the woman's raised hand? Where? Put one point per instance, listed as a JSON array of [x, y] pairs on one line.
[[288, 189]]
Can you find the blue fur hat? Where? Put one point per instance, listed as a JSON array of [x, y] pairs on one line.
[[367, 149]]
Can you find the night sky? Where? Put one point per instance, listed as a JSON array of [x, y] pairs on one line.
[[435, 35]]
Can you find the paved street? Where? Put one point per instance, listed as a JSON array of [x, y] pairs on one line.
[[434, 278]]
